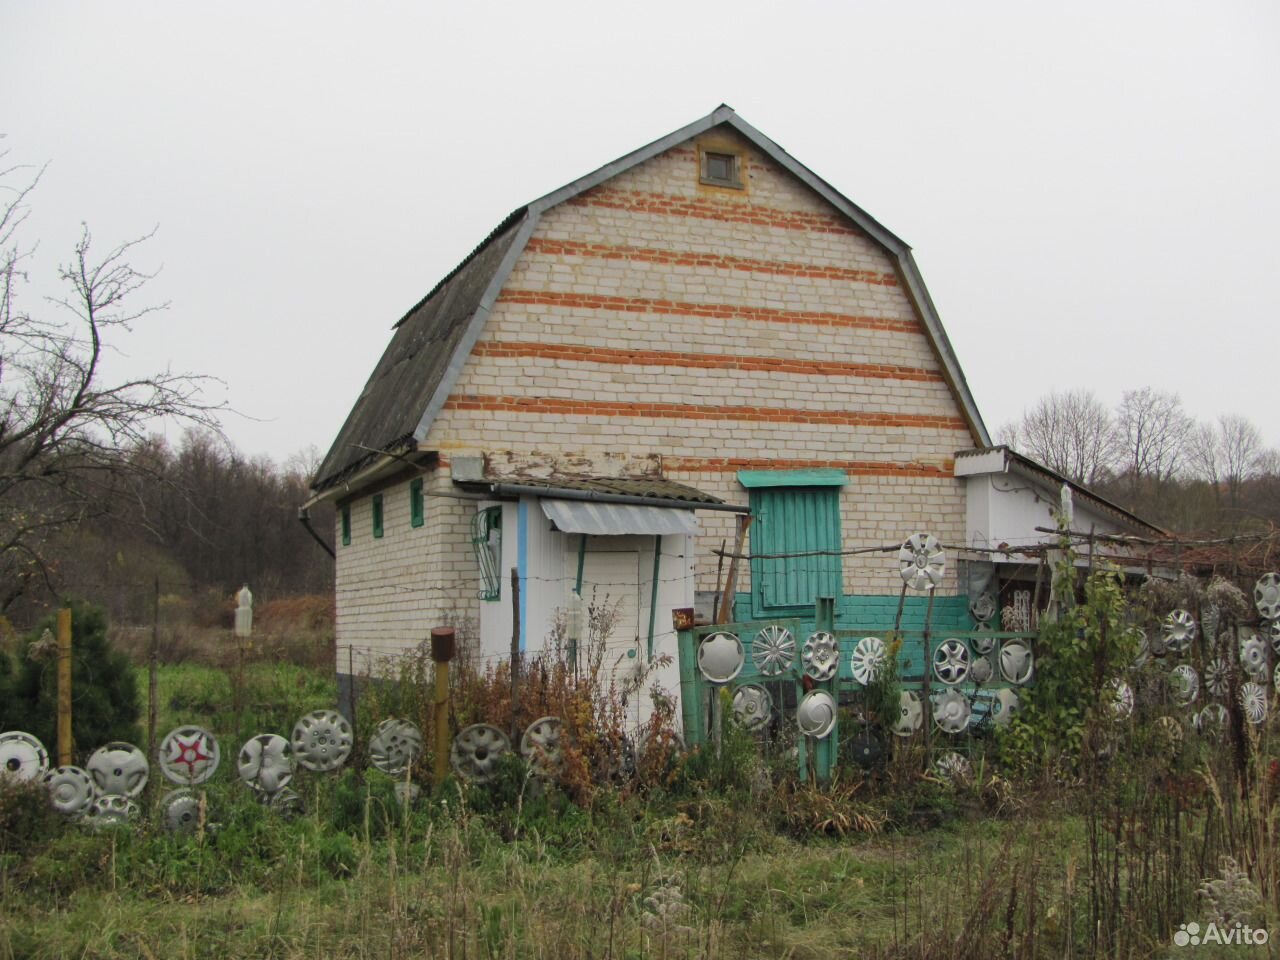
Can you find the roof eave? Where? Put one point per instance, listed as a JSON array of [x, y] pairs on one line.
[[382, 466]]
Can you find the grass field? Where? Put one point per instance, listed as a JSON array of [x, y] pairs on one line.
[[723, 858]]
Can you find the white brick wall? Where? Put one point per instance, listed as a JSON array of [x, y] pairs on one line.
[[390, 592]]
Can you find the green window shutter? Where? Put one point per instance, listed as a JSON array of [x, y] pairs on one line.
[[346, 526], [416, 517], [795, 520], [377, 515]]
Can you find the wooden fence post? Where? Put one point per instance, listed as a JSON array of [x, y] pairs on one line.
[[64, 687], [515, 656]]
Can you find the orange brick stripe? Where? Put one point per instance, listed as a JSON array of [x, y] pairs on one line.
[[555, 406], [580, 301], [703, 209], [702, 361], [604, 251], [857, 468]]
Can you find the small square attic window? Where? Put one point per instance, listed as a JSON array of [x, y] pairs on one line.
[[721, 169]]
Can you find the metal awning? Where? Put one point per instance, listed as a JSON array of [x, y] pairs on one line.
[[614, 519]]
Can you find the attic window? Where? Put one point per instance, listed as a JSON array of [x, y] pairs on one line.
[[721, 169]]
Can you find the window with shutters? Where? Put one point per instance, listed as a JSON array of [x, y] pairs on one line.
[[795, 537]]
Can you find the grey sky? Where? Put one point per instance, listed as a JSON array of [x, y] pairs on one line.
[[1091, 193]]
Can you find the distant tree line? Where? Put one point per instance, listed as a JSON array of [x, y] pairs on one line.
[[1151, 456], [201, 520], [91, 504]]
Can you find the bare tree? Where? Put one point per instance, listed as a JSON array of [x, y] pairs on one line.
[[65, 426], [1070, 432], [1152, 431], [1227, 454]]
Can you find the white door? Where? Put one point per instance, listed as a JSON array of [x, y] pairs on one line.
[[610, 611]]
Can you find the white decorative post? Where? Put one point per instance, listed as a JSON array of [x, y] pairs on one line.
[[244, 612]]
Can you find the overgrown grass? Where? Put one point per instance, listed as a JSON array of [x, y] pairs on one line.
[[446, 882], [703, 854], [271, 696]]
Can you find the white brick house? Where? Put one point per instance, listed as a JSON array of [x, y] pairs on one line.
[[700, 328]]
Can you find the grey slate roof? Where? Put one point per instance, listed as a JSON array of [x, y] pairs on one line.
[[415, 362], [432, 342]]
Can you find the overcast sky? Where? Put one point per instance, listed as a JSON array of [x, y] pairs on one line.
[[1091, 192]]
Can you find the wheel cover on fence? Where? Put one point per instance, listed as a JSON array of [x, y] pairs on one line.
[[1179, 630], [70, 790], [1253, 699], [1253, 658], [821, 656], [1211, 720], [720, 657], [910, 714], [951, 661], [265, 763], [1121, 699], [22, 756], [773, 651], [867, 749], [395, 746], [476, 751], [867, 660], [1266, 595], [816, 714], [1004, 707], [181, 809], [541, 749], [1184, 684], [189, 755], [951, 711], [982, 608], [1016, 662], [111, 810], [921, 562], [752, 706], [322, 740], [118, 769], [1170, 730], [1217, 674]]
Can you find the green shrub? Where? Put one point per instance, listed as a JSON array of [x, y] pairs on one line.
[[26, 817], [104, 690]]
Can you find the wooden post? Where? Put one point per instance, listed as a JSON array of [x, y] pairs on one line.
[[731, 583], [64, 688], [153, 669], [515, 655], [442, 648], [928, 670]]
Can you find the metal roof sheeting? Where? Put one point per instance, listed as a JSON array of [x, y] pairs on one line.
[[616, 519], [656, 487], [413, 366]]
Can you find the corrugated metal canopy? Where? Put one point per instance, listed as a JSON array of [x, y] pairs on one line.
[[615, 519], [656, 487]]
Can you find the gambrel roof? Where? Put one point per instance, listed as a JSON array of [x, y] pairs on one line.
[[431, 343]]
